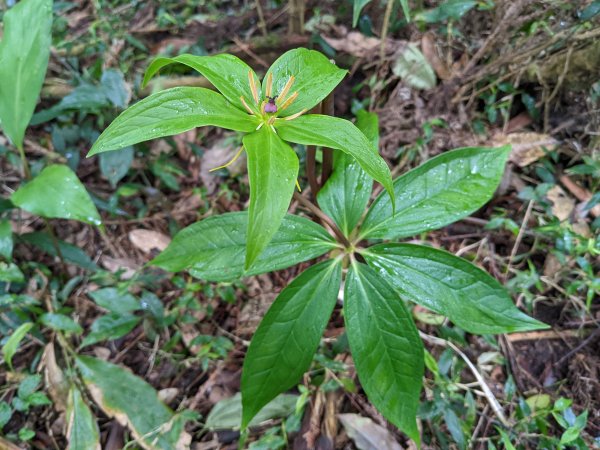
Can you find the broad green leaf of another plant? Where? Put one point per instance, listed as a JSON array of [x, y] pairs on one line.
[[272, 172], [385, 346], [451, 286], [69, 252], [441, 191], [227, 73], [60, 322], [450, 9], [357, 7], [287, 338], [82, 429], [170, 112], [213, 249], [227, 414], [12, 344], [24, 53], [345, 195], [315, 77], [6, 239], [110, 327], [57, 193], [333, 132], [119, 393]]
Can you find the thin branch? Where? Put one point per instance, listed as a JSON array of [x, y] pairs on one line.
[[323, 217]]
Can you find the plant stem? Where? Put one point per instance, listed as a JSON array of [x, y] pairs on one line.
[[24, 163], [324, 218], [328, 109], [385, 27], [261, 18], [311, 162]]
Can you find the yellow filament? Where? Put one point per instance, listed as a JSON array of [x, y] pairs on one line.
[[237, 155], [246, 105], [269, 85], [298, 185], [286, 89], [289, 101], [293, 116], [262, 106], [253, 86]]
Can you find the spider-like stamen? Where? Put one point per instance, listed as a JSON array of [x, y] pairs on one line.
[[262, 106], [269, 85], [293, 116], [237, 155], [286, 88], [298, 185], [246, 105], [253, 87], [259, 126], [273, 129], [289, 101]]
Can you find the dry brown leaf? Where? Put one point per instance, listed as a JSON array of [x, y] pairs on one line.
[[355, 44], [562, 204], [219, 154], [430, 52], [527, 148], [167, 395], [113, 265], [57, 384], [149, 240]]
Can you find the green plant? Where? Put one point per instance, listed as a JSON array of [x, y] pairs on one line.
[[272, 115], [383, 339]]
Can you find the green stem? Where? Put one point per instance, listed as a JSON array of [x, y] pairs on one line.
[[24, 163], [324, 218]]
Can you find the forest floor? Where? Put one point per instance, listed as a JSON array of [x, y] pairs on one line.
[[518, 72]]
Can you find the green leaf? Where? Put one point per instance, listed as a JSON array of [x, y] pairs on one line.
[[227, 73], [57, 193], [10, 273], [6, 413], [405, 9], [315, 77], [357, 7], [110, 327], [287, 338], [272, 173], [385, 346], [24, 53], [333, 132], [214, 248], [69, 252], [414, 69], [170, 112], [86, 97], [115, 165], [6, 240], [82, 429], [227, 414], [451, 286], [12, 344], [441, 191], [345, 195], [60, 322], [450, 9], [115, 301], [119, 393], [115, 88]]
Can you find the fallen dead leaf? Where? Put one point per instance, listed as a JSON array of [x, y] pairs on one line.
[[167, 395], [219, 154], [527, 148], [128, 266], [430, 52], [57, 384], [366, 434], [562, 204], [355, 44], [149, 240]]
